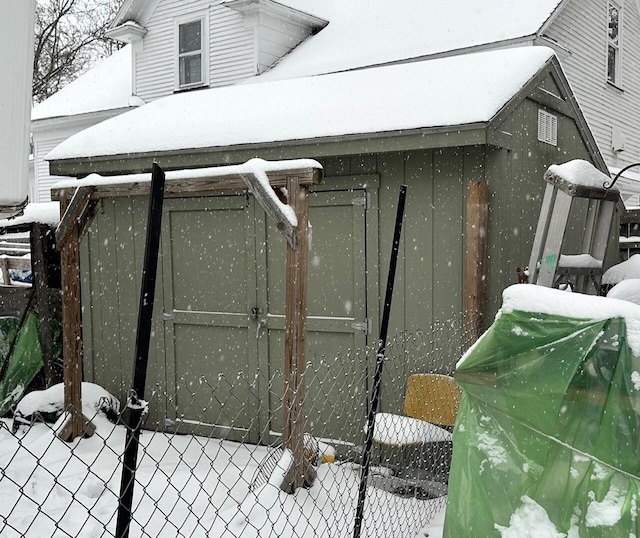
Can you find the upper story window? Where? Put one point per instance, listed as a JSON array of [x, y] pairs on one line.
[[614, 43], [191, 51]]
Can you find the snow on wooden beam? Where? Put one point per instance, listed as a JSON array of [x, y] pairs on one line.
[[194, 182]]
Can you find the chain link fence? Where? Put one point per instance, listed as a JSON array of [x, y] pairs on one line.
[[211, 477]]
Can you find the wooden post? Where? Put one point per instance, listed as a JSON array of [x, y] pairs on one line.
[[475, 257], [68, 240], [295, 339], [4, 267], [71, 337]]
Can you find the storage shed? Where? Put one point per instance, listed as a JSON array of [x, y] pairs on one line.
[[499, 118]]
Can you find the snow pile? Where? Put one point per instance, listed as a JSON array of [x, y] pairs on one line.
[[106, 86], [48, 405], [625, 270], [392, 429], [627, 290], [580, 172], [532, 298], [450, 91], [40, 212], [530, 521]]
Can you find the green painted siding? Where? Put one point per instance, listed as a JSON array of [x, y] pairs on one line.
[[352, 253]]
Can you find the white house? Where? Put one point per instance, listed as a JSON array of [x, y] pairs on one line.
[[103, 92], [178, 46]]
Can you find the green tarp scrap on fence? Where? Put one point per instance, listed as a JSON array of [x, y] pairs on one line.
[[24, 363], [547, 439]]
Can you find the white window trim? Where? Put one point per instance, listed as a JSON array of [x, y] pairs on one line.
[[618, 80], [202, 16]]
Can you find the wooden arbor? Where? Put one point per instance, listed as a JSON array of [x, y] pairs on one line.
[[80, 201]]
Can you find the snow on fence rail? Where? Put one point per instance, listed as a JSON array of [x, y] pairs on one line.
[[196, 481]]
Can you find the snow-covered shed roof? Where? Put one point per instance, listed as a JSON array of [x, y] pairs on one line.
[[373, 32], [401, 98], [106, 86]]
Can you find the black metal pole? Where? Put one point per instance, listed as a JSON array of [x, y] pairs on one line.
[[377, 376], [145, 312]]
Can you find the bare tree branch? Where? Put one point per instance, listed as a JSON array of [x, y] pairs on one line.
[[69, 38]]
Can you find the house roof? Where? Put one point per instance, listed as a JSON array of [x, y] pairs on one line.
[[373, 32], [106, 86], [399, 99]]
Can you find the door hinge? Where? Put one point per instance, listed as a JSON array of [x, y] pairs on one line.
[[364, 326], [364, 201], [167, 316]]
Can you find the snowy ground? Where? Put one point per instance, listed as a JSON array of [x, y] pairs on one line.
[[187, 486]]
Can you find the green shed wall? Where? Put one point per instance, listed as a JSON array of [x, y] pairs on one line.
[[430, 279]]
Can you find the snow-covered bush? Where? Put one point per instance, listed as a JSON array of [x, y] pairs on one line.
[[48, 405]]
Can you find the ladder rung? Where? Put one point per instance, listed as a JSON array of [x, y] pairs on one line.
[[575, 262]]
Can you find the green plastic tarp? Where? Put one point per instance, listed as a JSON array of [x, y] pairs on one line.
[[24, 363], [547, 438]]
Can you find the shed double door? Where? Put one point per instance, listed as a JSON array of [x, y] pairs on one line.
[[223, 313]]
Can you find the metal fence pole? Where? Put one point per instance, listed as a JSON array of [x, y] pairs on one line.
[[143, 337], [377, 377]]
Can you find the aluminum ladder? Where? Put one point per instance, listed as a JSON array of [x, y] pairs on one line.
[[547, 265]]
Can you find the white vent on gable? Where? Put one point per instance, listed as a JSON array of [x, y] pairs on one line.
[[547, 128]]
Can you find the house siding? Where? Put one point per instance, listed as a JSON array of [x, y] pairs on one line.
[[231, 48], [580, 29], [276, 38], [43, 180]]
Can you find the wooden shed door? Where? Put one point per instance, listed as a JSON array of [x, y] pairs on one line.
[[336, 316], [221, 260], [209, 280]]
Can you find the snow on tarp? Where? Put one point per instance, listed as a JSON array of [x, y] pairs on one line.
[[549, 420], [442, 92], [369, 32], [37, 212], [106, 86]]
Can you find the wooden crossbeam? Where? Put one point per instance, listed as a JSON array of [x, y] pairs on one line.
[[194, 186]]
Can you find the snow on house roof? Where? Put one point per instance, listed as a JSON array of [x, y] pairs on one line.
[[106, 86], [436, 93], [373, 32]]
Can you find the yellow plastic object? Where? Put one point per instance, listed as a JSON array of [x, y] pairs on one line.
[[434, 398]]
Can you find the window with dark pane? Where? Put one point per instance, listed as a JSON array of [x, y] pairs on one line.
[[190, 53], [613, 43]]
